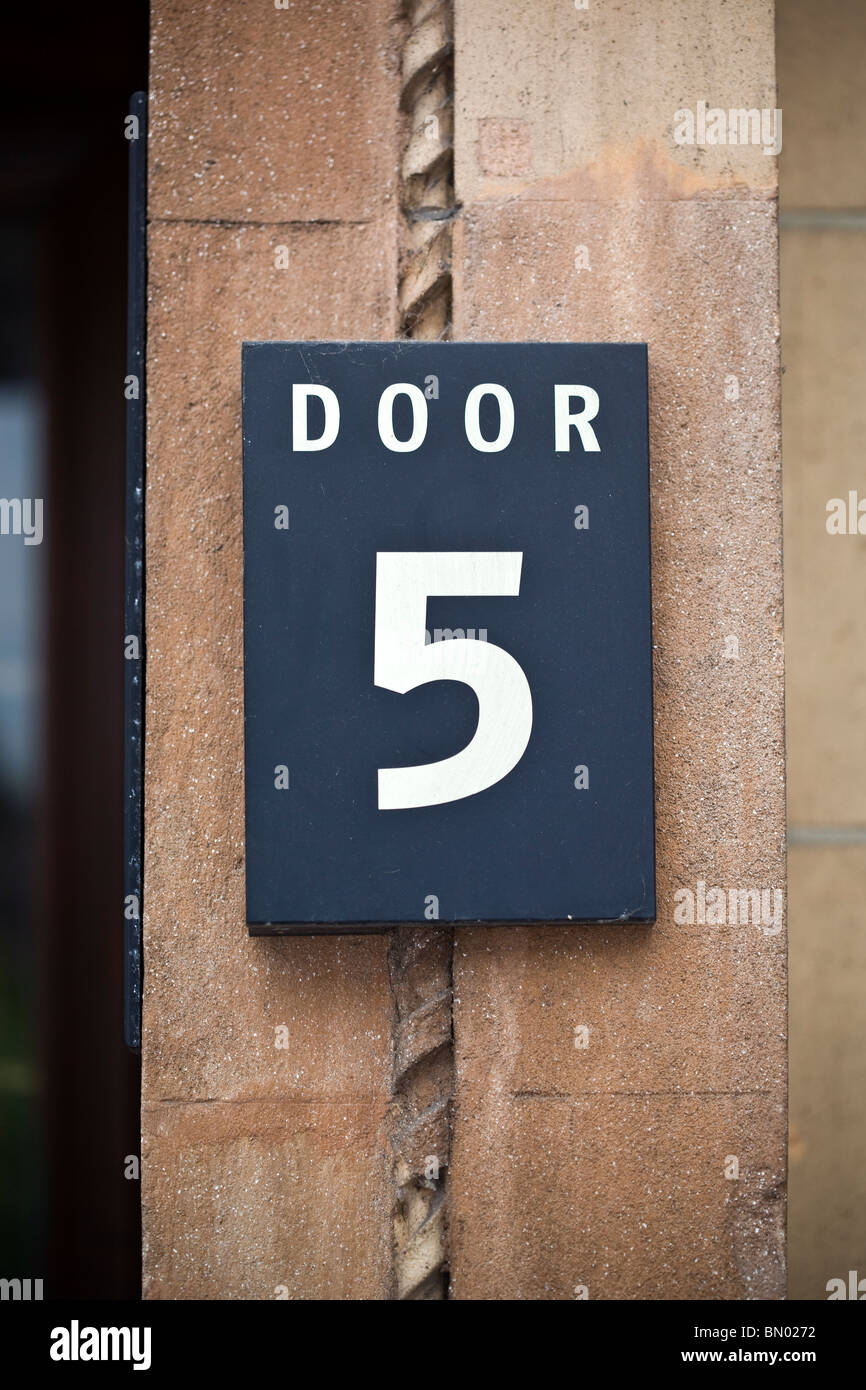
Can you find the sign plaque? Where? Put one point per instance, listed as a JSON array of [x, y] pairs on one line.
[[448, 654]]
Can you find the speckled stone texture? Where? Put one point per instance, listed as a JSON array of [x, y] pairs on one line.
[[603, 1171], [264, 1172]]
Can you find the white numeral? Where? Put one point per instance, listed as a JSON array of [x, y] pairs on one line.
[[404, 581]]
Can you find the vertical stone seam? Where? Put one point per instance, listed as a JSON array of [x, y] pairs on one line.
[[427, 201], [420, 959], [420, 976]]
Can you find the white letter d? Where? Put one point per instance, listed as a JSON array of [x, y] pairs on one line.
[[301, 442]]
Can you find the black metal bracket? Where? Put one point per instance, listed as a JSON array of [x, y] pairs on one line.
[[133, 640]]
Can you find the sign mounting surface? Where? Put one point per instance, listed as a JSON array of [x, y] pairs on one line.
[[448, 687]]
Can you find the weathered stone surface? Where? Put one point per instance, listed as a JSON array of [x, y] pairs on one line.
[[668, 1008], [265, 1200], [619, 1196], [556, 103], [259, 114]]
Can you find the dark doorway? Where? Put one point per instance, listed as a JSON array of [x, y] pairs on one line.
[[68, 1088]]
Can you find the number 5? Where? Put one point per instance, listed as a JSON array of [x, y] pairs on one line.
[[404, 581]]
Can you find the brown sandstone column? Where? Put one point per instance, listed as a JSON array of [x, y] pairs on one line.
[[602, 1168], [600, 1171], [272, 215]]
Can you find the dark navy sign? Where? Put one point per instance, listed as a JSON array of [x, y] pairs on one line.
[[447, 634]]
